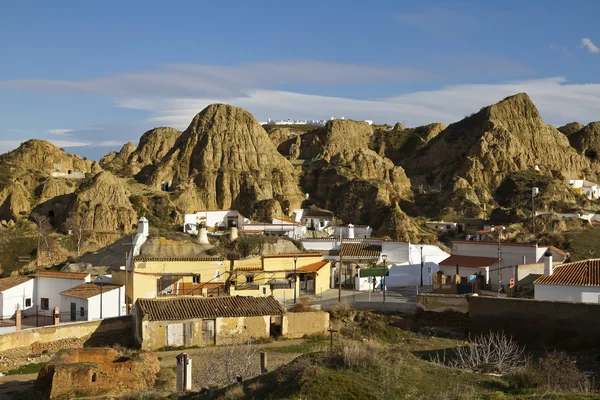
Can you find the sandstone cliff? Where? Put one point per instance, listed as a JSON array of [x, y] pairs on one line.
[[104, 205], [226, 154], [154, 145], [401, 143], [587, 141], [347, 177], [484, 148], [571, 128]]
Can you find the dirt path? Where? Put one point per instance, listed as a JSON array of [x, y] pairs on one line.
[[15, 383]]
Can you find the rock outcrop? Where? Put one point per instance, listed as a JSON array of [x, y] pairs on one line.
[[482, 149], [571, 128], [587, 141], [349, 178], [154, 145], [103, 204], [15, 202], [401, 143], [229, 158]]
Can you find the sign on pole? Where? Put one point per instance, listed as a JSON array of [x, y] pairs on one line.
[[512, 283], [472, 278]]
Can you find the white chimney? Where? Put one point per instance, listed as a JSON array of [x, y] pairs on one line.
[[203, 235], [143, 227], [350, 231], [548, 262], [233, 233]]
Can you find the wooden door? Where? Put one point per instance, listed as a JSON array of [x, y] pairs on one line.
[[73, 312]]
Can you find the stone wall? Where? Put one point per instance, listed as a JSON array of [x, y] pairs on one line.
[[38, 339], [537, 323], [242, 329], [443, 302], [295, 325]]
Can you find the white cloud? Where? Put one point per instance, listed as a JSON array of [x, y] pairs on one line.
[[68, 143], [60, 132], [562, 49], [589, 45]]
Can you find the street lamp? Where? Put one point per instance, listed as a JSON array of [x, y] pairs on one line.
[[295, 278], [422, 263], [384, 258]]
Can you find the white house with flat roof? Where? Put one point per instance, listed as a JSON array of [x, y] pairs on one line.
[[213, 220], [92, 301], [16, 293], [587, 188]]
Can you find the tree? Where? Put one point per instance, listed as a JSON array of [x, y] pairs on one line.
[[75, 224], [44, 229]]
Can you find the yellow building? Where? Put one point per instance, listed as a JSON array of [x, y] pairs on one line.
[[278, 275], [153, 277]]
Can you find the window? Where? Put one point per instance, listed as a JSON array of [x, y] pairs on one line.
[[27, 302], [249, 278], [82, 311], [196, 279], [45, 303]]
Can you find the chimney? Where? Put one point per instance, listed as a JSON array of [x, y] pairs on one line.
[[548, 262], [143, 227], [203, 235], [350, 231], [233, 233]]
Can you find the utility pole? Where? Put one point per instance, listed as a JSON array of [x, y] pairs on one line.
[[384, 257], [534, 193], [295, 278], [499, 260], [101, 287], [422, 263], [341, 266]]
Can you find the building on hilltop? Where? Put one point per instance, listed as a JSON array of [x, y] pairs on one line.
[[584, 187]]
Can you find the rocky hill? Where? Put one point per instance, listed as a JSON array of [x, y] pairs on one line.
[[571, 128], [26, 176], [483, 149], [401, 143], [153, 146], [225, 159], [587, 141]]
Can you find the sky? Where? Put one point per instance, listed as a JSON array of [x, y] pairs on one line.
[[91, 76]]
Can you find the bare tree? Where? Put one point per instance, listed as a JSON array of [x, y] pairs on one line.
[[493, 352], [44, 229], [75, 223], [237, 358]]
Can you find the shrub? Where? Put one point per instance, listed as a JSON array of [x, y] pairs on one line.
[[493, 352], [560, 373], [350, 354], [528, 377]]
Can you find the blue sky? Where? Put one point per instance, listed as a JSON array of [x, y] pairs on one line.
[[90, 76]]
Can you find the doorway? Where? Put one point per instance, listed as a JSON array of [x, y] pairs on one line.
[[73, 312]]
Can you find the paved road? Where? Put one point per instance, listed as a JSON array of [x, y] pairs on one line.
[[396, 299]]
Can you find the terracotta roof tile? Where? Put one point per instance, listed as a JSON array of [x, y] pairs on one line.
[[291, 221], [87, 290], [147, 259], [469, 261], [249, 268], [290, 255], [559, 251], [578, 273], [314, 267], [7, 283], [361, 250], [182, 308], [61, 275]]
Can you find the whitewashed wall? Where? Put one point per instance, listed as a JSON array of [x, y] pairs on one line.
[[14, 299], [50, 288], [580, 294]]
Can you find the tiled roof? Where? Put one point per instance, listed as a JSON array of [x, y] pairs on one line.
[[578, 273], [291, 255], [314, 267], [249, 268], [7, 283], [469, 261], [291, 221], [559, 251], [87, 290], [256, 231], [183, 308], [361, 250], [61, 275], [146, 259]]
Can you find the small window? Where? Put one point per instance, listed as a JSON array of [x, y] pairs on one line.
[[82, 311], [27, 302], [249, 278], [196, 279], [45, 304]]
